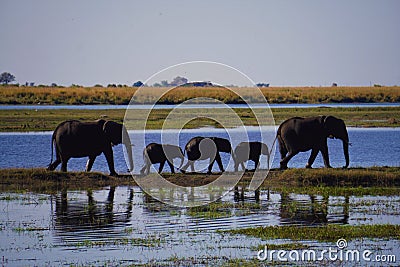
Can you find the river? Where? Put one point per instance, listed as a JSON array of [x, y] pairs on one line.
[[370, 147]]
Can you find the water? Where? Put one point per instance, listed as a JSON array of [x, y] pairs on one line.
[[121, 226], [190, 106], [32, 150]]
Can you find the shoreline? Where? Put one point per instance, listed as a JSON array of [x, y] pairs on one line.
[[353, 179], [20, 120]]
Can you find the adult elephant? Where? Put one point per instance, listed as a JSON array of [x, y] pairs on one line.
[[76, 139], [158, 153], [201, 148], [250, 151], [302, 134]]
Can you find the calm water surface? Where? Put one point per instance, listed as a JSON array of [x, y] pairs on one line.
[[123, 226]]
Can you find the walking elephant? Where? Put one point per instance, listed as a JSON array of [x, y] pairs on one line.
[[250, 151], [76, 139], [302, 134], [201, 148], [157, 153]]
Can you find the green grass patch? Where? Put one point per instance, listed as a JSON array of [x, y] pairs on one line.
[[47, 120], [222, 209], [326, 233]]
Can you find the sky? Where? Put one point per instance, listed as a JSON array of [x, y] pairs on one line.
[[284, 43]]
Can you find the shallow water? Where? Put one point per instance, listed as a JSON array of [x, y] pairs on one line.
[[28, 150], [123, 226]]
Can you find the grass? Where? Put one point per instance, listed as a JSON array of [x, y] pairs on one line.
[[47, 120], [222, 209], [326, 233], [43, 181], [378, 180], [122, 95]]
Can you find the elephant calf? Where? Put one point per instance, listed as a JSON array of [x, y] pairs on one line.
[[157, 153], [201, 148], [76, 139], [250, 151]]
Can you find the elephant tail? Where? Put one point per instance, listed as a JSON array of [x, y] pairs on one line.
[[273, 143]]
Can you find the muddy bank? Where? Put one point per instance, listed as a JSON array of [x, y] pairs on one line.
[[43, 180]]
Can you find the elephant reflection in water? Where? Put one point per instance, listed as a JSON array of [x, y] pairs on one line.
[[74, 214], [312, 212]]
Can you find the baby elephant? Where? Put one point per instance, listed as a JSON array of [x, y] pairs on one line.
[[157, 153], [250, 151]]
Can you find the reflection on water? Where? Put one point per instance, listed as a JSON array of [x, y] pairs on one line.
[[122, 224]]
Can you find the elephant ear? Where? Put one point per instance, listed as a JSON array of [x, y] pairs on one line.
[[113, 131], [331, 124]]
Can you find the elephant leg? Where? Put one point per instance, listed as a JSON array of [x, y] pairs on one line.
[[161, 166], [54, 165], [210, 165], [236, 166], [183, 169], [64, 162], [192, 165], [282, 148], [313, 155], [257, 163], [243, 167], [219, 162], [143, 170], [325, 156], [286, 159], [110, 161], [89, 163], [171, 166]]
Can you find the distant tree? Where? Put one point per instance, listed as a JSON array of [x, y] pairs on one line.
[[334, 84], [6, 78], [165, 83], [179, 81], [137, 84], [53, 85], [98, 85], [157, 85]]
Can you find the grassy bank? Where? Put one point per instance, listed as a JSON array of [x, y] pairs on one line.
[[351, 181], [47, 120], [326, 233], [122, 95]]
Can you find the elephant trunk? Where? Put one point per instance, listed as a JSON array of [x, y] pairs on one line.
[[128, 147], [346, 153], [345, 140]]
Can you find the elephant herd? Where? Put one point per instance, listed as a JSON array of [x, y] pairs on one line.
[[75, 139]]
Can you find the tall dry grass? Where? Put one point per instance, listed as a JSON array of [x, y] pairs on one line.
[[123, 95]]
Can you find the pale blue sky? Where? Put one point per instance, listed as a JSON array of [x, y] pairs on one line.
[[350, 42]]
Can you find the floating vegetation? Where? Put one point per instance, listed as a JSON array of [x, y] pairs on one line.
[[329, 233]]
